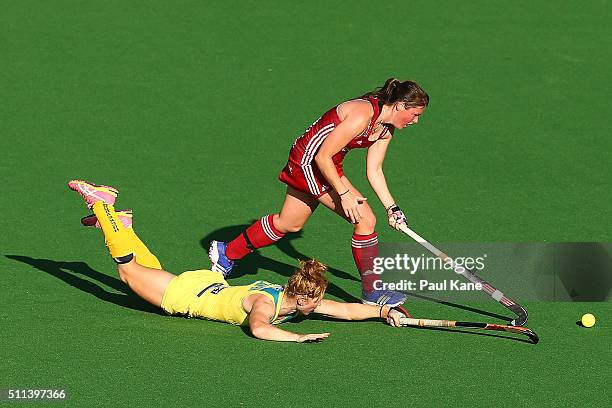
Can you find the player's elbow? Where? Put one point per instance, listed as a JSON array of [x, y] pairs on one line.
[[256, 332], [259, 331]]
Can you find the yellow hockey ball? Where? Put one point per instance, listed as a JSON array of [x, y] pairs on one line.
[[588, 320]]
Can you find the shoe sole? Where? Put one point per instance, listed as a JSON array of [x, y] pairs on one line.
[[213, 254], [113, 192]]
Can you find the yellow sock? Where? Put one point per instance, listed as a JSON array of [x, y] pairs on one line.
[[143, 256], [119, 241], [122, 241]]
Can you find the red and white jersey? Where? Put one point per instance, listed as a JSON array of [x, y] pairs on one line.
[[303, 151]]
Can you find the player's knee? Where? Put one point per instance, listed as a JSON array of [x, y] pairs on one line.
[[367, 224], [369, 220], [294, 228], [290, 228], [286, 227]]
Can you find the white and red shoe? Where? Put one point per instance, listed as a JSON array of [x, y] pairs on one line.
[[93, 193], [125, 216]]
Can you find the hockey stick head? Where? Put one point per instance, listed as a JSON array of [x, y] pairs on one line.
[[533, 337], [521, 315]]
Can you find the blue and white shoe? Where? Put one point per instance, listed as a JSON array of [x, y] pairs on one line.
[[383, 297], [220, 262]]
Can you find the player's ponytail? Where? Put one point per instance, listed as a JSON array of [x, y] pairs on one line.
[[308, 280], [408, 92], [389, 91]]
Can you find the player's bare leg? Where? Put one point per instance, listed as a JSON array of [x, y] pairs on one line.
[[148, 283], [364, 245], [296, 210]]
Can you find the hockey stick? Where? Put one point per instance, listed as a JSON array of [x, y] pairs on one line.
[[517, 309], [533, 337]]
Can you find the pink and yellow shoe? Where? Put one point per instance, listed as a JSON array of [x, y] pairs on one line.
[[93, 193], [125, 216]]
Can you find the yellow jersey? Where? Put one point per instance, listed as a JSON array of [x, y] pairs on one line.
[[205, 294]]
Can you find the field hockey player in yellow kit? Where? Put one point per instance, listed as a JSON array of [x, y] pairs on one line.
[[206, 294]]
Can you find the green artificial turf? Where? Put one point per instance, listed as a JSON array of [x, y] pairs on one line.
[[190, 108]]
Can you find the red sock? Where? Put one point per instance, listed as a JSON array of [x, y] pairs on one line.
[[365, 249], [262, 233]]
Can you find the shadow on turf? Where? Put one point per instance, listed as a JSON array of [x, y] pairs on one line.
[[68, 271], [522, 340], [255, 261]]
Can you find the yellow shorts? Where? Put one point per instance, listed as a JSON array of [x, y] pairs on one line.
[[183, 290]]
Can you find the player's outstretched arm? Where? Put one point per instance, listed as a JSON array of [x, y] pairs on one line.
[[358, 311], [259, 323]]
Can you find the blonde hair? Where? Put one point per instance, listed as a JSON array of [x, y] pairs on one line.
[[308, 280]]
